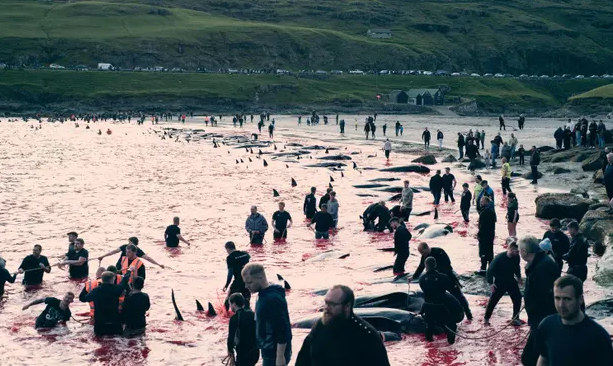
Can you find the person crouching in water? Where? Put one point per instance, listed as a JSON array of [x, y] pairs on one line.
[[435, 309], [134, 309], [241, 334]]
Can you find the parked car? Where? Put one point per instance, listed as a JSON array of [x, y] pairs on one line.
[[464, 74], [579, 77], [488, 75], [428, 73], [566, 76], [336, 72], [544, 76], [356, 72], [455, 74], [523, 76], [594, 77], [534, 76], [320, 72], [56, 66], [475, 75]]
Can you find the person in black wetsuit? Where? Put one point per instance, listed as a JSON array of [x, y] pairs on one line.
[[402, 236], [56, 311], [465, 202], [341, 338], [172, 235], [560, 244], [77, 261], [323, 223], [5, 276], [425, 136], [577, 254], [325, 198], [449, 184], [134, 309], [310, 204], [443, 266], [486, 234], [236, 261], [501, 277], [36, 265], [107, 320], [436, 186], [281, 221], [241, 334], [383, 214], [434, 286], [570, 337]]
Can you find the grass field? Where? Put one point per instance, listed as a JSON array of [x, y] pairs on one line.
[[47, 86], [603, 92], [531, 36]]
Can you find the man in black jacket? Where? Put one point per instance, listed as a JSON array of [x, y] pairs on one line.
[[559, 136], [541, 273], [486, 234], [461, 145], [105, 297], [502, 276], [241, 334], [325, 198], [443, 266], [436, 186], [402, 236], [341, 338], [559, 241], [577, 254], [310, 204], [383, 214], [425, 136]]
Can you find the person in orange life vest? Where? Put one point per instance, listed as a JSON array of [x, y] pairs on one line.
[[89, 286], [107, 320], [118, 278], [132, 260], [122, 250]]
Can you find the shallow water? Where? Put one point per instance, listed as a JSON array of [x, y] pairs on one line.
[[132, 183]]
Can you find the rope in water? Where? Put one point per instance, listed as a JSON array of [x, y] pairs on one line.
[[490, 335]]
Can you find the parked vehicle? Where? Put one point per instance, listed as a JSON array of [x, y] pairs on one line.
[[579, 77], [488, 75], [475, 75]]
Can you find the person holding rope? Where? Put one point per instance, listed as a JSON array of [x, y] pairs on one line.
[[89, 287], [77, 261], [107, 320], [122, 249], [34, 267], [434, 286], [280, 221], [236, 261], [256, 226], [501, 276], [5, 276], [131, 261], [57, 310]]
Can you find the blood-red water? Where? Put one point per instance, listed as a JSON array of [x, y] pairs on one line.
[[132, 183]]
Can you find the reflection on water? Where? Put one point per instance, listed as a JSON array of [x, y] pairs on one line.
[[132, 183]]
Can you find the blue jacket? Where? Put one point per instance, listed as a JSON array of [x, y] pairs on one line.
[[256, 222], [272, 320]]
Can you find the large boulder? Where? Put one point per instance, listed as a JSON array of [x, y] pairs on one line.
[[426, 159], [593, 163], [598, 176], [580, 191], [561, 205], [597, 225], [449, 159], [604, 269], [528, 175], [407, 169], [562, 156], [560, 170], [479, 164], [543, 149]]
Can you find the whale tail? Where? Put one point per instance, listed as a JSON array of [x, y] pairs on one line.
[[326, 150], [199, 306], [275, 193], [178, 316], [275, 147], [211, 311]]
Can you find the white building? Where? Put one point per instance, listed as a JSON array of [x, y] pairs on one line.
[[379, 33], [104, 66]]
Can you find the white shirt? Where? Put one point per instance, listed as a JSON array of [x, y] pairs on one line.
[[387, 146]]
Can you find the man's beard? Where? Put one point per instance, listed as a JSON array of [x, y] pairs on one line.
[[333, 321]]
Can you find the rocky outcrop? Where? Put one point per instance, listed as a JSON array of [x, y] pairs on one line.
[[407, 169], [479, 164], [559, 170], [598, 176], [604, 269], [561, 156], [593, 163], [543, 149], [580, 191], [426, 159], [449, 159], [597, 225], [528, 175], [561, 205]]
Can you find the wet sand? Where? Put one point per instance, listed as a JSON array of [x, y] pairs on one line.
[[132, 183]]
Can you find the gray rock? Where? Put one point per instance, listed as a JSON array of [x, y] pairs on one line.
[[543, 149], [407, 169], [593, 163], [599, 205], [479, 164], [528, 175], [559, 170], [426, 159], [561, 205], [580, 191], [449, 159], [604, 269], [597, 225], [598, 177]]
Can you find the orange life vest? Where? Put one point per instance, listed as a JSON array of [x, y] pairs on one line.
[[89, 287], [136, 263], [122, 297]]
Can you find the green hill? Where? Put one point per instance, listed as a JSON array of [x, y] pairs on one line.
[[513, 36], [603, 92]]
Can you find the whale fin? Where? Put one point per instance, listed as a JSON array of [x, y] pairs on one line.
[[344, 256], [294, 184], [247, 150], [287, 166], [251, 151], [259, 151], [211, 311], [331, 179], [435, 213], [381, 269], [355, 166], [275, 193], [199, 306], [279, 277], [236, 160], [265, 162], [178, 317], [242, 161], [330, 185], [250, 160], [342, 175], [326, 150], [286, 285], [275, 147]]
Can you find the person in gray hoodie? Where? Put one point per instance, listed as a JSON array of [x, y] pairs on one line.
[[333, 208], [256, 226], [272, 328], [407, 200]]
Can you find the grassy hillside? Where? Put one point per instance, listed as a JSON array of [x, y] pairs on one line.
[[48, 89], [603, 92], [515, 36]]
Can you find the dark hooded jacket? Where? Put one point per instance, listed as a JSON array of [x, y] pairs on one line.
[[272, 320], [541, 273]]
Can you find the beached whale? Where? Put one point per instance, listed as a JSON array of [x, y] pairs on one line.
[[327, 255], [373, 185], [335, 157], [407, 169], [409, 301], [434, 231]]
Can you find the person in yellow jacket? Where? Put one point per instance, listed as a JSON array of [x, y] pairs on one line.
[[505, 171]]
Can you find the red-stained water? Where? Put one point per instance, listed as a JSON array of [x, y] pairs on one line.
[[132, 183]]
